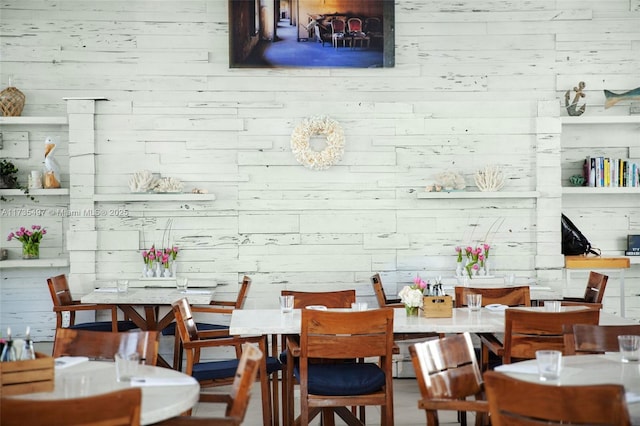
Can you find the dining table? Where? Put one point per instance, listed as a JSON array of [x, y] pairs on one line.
[[149, 300], [166, 393], [593, 369]]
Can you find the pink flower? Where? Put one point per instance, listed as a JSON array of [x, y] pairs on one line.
[[475, 267]]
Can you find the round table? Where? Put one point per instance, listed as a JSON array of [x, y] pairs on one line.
[[588, 370], [166, 393]]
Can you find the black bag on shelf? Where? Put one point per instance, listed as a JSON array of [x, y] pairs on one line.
[[573, 242]]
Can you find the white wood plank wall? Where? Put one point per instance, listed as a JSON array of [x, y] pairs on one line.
[[475, 83]]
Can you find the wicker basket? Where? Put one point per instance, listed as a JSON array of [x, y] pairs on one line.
[[11, 102]]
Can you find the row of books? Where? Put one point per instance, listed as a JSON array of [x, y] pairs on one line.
[[611, 172]]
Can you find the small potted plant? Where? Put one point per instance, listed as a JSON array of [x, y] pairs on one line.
[[8, 178]]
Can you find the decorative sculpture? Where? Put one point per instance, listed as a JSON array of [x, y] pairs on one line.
[[52, 170], [572, 109], [142, 181], [490, 179], [169, 184], [614, 98], [450, 181]]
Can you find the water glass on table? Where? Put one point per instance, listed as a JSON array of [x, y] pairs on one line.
[[126, 366], [552, 306], [629, 348], [181, 284], [286, 304], [122, 285], [474, 301], [549, 364], [359, 306], [76, 385]]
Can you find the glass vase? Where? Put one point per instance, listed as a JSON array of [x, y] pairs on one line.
[[412, 311], [31, 250]]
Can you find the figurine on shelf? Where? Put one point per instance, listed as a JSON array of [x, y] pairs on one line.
[[572, 109], [52, 170]]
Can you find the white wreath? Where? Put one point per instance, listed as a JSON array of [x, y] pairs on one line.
[[318, 160]]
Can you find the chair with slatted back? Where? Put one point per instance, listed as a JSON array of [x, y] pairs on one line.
[[301, 300], [105, 344], [222, 372], [583, 339], [381, 297], [215, 307], [529, 330], [118, 408], [518, 402], [448, 373], [594, 292], [237, 400], [509, 296], [344, 337]]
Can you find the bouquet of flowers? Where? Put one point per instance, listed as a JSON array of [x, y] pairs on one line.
[[30, 239], [412, 295]]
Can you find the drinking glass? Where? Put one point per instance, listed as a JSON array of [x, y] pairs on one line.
[[126, 365], [286, 304], [629, 348], [359, 306], [76, 385], [123, 286], [474, 301], [181, 284], [552, 306], [549, 364]]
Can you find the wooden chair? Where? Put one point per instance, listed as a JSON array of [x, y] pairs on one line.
[[215, 307], [302, 299], [594, 293], [356, 32], [448, 373], [237, 400], [383, 301], [593, 339], [518, 402], [349, 336], [510, 296], [105, 344], [63, 302], [527, 331], [218, 373], [119, 408]]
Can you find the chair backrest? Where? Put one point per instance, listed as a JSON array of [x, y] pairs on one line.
[[59, 289], [372, 25], [594, 293], [338, 26], [381, 296], [105, 344], [354, 24], [528, 330], [243, 292], [596, 306], [590, 339], [447, 368], [518, 402], [510, 296], [330, 299], [185, 323], [246, 375], [119, 408]]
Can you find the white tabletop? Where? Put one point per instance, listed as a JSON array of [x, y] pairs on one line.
[[159, 401], [271, 321], [147, 296], [588, 370]]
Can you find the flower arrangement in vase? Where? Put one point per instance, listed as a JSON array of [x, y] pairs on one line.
[[411, 296], [476, 259], [30, 239]]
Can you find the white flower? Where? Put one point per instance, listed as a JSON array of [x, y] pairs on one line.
[[411, 296]]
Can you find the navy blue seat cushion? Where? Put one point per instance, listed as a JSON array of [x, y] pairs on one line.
[[225, 369], [170, 330], [104, 326], [343, 379]]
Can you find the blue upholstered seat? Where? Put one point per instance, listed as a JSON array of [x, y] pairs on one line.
[[170, 330], [343, 379], [104, 326], [214, 370]]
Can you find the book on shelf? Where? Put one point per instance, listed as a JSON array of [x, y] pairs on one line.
[[607, 172]]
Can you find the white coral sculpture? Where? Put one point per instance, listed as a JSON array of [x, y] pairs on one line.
[[169, 184], [450, 180], [490, 179], [142, 181]]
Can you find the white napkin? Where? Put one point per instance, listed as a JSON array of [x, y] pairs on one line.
[[68, 361], [518, 367], [317, 307], [106, 290], [632, 397], [162, 381], [198, 292]]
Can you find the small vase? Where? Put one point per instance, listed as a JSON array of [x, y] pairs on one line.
[[412, 311], [174, 269], [31, 251], [486, 267], [158, 271], [149, 272], [166, 273], [459, 269]]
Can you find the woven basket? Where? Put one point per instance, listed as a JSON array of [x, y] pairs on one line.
[[11, 102]]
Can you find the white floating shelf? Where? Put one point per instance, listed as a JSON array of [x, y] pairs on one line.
[[36, 192], [154, 197], [602, 119], [598, 190], [54, 262], [477, 194], [34, 120]]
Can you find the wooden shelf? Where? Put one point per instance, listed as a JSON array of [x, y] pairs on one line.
[[34, 120], [599, 190], [591, 262], [36, 192], [602, 119], [54, 262], [477, 194], [153, 197]]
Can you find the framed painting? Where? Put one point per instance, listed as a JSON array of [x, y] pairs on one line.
[[311, 33]]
